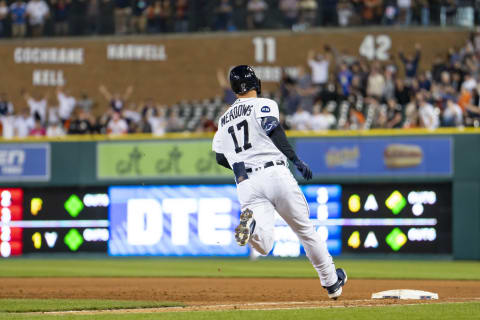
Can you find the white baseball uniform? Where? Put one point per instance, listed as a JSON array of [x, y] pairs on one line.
[[241, 138]]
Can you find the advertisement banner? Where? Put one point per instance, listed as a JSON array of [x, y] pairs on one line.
[[200, 221], [25, 162], [378, 156], [154, 159]]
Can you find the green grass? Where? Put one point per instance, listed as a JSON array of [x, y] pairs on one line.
[[33, 305], [457, 311], [203, 267]]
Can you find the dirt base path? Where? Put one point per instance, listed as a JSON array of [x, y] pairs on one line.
[[231, 293]]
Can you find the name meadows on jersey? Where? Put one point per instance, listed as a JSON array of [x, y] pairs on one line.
[[237, 111]]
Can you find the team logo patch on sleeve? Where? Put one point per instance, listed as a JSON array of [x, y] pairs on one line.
[[265, 109]]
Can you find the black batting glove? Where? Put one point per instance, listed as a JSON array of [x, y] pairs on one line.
[[303, 168]]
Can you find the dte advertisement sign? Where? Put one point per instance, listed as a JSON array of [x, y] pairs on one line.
[[387, 157], [153, 160], [200, 221], [25, 162]]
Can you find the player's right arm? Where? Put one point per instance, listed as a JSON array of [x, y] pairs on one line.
[[219, 156], [270, 122]]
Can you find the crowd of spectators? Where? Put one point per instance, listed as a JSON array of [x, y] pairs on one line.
[[339, 91], [331, 90], [20, 18]]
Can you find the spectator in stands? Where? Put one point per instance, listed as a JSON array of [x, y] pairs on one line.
[[344, 78], [469, 82], [60, 15], [117, 125], [174, 123], [157, 120], [224, 15], [321, 119], [37, 105], [229, 96], [181, 16], [410, 62], [66, 104], [3, 17], [319, 64], [38, 130], [158, 16], [452, 116], [375, 83], [37, 12], [144, 125], [305, 89], [23, 124], [139, 16], [123, 12], [393, 114], [55, 130], [116, 100], [308, 12], [85, 103], [404, 11], [256, 14], [18, 13], [355, 120], [390, 13], [131, 114], [372, 11], [423, 11], [80, 123], [301, 120], [427, 114], [389, 88], [289, 9], [8, 126], [6, 106], [345, 12]]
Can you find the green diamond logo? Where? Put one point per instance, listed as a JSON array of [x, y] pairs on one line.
[[396, 239], [73, 205], [73, 239], [396, 202]]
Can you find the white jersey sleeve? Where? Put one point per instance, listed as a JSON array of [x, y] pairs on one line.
[[266, 108], [217, 143]]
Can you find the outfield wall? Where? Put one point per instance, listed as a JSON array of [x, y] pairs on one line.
[[183, 67], [446, 160]]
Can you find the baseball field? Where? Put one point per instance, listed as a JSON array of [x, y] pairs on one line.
[[231, 289]]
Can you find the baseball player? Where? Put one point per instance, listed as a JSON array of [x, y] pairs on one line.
[[251, 142]]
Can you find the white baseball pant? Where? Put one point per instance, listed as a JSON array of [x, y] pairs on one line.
[[275, 188]]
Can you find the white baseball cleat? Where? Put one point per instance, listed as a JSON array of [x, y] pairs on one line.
[[245, 229]]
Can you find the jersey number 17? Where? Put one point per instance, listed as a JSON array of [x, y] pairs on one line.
[[246, 145]]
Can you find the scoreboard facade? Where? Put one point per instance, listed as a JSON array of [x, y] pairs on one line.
[[198, 220]]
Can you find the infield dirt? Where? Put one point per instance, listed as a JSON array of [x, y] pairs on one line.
[[228, 293]]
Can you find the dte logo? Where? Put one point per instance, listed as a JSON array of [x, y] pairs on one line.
[[146, 223], [265, 109]]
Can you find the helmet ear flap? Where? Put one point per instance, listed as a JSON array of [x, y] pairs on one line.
[[259, 86]]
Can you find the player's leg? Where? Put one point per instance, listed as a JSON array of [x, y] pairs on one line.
[[290, 203], [261, 229]]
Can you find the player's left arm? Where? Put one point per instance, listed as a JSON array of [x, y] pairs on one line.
[[222, 160], [270, 122]]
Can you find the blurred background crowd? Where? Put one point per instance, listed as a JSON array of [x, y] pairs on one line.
[[35, 18], [330, 90]]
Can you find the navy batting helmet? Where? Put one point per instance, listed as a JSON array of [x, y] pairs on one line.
[[243, 79]]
